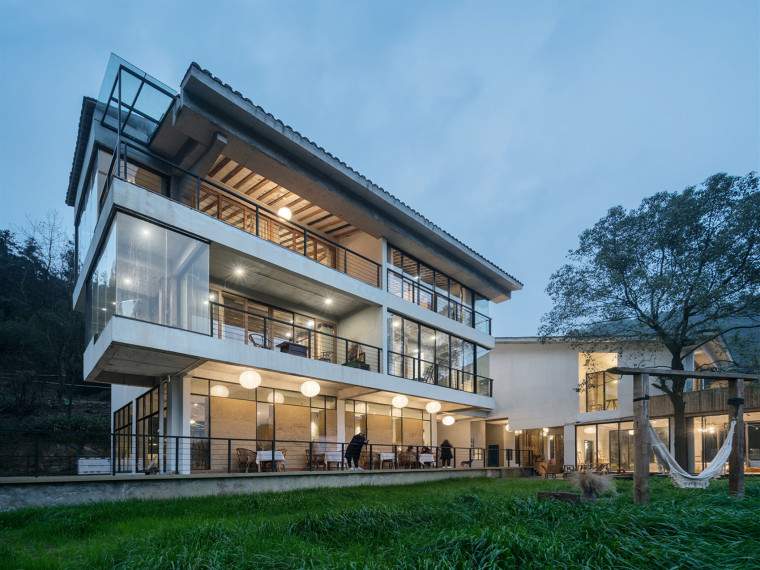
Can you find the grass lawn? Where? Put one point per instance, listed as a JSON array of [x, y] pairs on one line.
[[462, 523]]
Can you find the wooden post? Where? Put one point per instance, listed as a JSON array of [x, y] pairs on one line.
[[641, 440], [736, 459]]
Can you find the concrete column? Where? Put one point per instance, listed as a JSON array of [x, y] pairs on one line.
[[340, 409], [178, 420]]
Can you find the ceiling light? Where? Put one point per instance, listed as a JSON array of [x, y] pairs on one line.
[[588, 430], [310, 324], [433, 407], [630, 432], [400, 401], [328, 301], [238, 271], [284, 213], [506, 427], [546, 430], [250, 379], [219, 391], [448, 420], [310, 388]]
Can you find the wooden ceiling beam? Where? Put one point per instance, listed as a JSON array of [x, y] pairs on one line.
[[234, 172], [343, 227], [219, 166], [319, 220]]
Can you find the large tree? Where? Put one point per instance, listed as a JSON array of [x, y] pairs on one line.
[[681, 269]]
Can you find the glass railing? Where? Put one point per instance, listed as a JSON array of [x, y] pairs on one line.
[[420, 370], [259, 331], [420, 294], [213, 200]]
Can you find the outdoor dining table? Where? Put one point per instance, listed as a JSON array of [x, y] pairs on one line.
[[387, 457], [333, 457], [267, 456], [427, 458]]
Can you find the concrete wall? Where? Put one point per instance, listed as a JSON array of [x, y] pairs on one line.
[[535, 384], [17, 493]]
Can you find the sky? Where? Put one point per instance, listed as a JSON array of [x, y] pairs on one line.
[[512, 125]]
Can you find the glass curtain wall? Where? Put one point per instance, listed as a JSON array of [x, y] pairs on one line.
[[256, 417], [611, 444], [386, 425], [122, 428], [428, 355], [89, 209], [419, 283], [149, 273]]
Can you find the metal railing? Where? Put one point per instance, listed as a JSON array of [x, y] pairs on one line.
[[245, 327], [412, 368], [214, 200], [29, 453], [416, 292]]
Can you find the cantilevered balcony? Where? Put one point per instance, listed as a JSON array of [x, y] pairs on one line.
[[244, 210], [265, 333]]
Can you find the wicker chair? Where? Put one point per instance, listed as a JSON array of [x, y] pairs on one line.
[[246, 458]]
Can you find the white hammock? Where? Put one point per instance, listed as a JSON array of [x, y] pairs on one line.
[[680, 477]]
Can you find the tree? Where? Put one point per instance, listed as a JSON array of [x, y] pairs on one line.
[[681, 269], [40, 334]]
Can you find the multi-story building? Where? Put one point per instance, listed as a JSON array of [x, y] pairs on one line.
[[239, 281]]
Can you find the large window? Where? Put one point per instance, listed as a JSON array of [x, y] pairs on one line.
[[387, 426], [432, 356], [601, 391], [149, 273], [255, 419], [148, 425], [89, 207], [122, 428], [609, 446], [419, 283]]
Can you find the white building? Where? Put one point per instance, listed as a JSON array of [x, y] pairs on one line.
[[229, 265], [562, 406]]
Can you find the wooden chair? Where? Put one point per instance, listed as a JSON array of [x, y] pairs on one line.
[[246, 458], [406, 460], [364, 459], [257, 339], [317, 461], [553, 470]]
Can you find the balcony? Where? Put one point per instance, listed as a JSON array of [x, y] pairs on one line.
[[261, 332], [709, 401], [420, 370], [418, 293], [213, 199]]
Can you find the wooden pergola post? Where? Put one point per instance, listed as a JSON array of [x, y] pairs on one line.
[[736, 459], [641, 442]]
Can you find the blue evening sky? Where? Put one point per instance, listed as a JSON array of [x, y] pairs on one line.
[[513, 125]]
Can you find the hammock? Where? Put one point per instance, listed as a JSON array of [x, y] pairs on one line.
[[680, 477]]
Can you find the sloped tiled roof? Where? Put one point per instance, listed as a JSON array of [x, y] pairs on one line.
[[399, 203], [83, 133]]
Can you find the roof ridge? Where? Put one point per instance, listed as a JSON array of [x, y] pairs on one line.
[[359, 174]]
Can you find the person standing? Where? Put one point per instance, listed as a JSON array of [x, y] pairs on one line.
[[446, 453], [354, 449]]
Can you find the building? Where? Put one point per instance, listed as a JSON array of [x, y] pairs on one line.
[[242, 287], [563, 407]]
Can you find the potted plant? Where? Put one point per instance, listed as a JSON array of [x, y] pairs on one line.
[[590, 484]]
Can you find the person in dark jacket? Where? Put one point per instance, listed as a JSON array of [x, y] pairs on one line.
[[446, 453], [354, 449]]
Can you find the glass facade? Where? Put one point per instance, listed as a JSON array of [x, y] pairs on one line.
[[419, 283], [421, 353], [89, 208], [601, 391], [122, 428], [387, 426], [149, 273], [611, 444]]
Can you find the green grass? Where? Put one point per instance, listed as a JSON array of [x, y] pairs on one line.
[[463, 523]]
